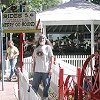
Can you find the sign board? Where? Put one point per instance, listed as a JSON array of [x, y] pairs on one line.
[[19, 21]]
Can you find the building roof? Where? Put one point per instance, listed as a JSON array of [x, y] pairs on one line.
[[73, 12]]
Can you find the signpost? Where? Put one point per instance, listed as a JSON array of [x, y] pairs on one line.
[[1, 49], [19, 22]]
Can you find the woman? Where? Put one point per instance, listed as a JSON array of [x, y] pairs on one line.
[[42, 58]]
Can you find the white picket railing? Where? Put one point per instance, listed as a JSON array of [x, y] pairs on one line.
[[70, 61], [75, 60], [28, 64], [25, 90], [24, 83]]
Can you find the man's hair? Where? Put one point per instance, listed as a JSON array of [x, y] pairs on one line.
[[47, 41], [10, 41]]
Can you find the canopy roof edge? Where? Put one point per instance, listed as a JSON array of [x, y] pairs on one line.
[[71, 22]]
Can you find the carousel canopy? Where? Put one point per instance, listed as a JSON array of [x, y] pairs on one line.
[[74, 12]]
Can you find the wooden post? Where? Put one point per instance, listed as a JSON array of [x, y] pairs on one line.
[[78, 82], [22, 39], [78, 77]]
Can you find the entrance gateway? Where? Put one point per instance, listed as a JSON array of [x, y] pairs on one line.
[[17, 22]]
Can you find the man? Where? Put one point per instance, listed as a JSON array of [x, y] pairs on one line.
[[12, 55], [42, 58]]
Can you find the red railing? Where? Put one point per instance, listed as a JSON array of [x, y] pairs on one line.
[[68, 89]]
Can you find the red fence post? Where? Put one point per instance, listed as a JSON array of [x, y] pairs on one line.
[[22, 36], [61, 84], [78, 77], [78, 80]]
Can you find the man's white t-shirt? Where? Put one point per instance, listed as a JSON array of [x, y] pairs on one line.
[[42, 56]]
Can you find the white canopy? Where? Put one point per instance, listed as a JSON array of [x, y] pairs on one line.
[[71, 13], [74, 12]]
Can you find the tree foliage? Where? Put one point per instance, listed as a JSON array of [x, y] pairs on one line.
[[36, 5], [96, 1]]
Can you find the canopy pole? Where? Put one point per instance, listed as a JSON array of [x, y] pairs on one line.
[[92, 38], [44, 29], [92, 42]]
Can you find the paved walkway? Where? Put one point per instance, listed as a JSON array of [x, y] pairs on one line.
[[9, 92]]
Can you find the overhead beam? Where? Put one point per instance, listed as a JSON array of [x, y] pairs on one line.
[[24, 31], [71, 22]]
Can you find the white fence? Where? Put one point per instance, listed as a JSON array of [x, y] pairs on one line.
[[28, 64], [75, 60], [70, 61], [25, 90], [68, 70]]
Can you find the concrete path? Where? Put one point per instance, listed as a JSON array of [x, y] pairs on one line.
[[9, 92]]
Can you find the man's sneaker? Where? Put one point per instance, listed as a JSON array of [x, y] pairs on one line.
[[9, 79]]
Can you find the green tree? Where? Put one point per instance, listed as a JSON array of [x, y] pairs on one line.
[[96, 1], [36, 5]]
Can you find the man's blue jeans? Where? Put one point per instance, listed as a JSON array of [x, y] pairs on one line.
[[13, 67], [45, 78]]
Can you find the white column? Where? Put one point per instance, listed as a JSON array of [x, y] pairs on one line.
[[92, 38], [44, 29], [92, 43], [11, 36]]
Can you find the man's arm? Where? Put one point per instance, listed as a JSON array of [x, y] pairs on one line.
[[51, 65], [6, 56], [33, 62], [16, 52]]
